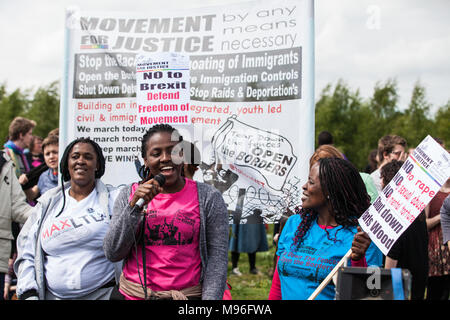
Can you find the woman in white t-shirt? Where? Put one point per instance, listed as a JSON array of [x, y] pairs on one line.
[[60, 253]]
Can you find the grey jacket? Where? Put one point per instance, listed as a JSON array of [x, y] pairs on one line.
[[46, 205], [13, 207], [213, 236]]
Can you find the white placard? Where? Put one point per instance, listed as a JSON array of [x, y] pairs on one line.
[[162, 89], [407, 194]]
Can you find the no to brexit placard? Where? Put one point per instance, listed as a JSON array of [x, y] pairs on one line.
[[162, 89]]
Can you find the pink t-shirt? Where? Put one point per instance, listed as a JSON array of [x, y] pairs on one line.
[[172, 242]]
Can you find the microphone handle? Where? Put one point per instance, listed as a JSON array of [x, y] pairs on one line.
[[161, 181], [140, 203]]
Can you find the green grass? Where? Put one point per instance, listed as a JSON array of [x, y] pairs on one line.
[[250, 286]]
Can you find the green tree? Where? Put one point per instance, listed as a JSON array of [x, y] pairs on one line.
[[415, 123], [383, 106], [376, 119], [340, 111], [441, 124], [44, 109], [11, 106]]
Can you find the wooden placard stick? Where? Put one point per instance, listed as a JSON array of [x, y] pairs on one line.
[[330, 276]]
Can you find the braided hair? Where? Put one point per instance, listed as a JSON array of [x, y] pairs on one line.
[[64, 167], [345, 191], [163, 127]]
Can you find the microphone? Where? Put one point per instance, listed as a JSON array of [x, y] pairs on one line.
[[161, 181]]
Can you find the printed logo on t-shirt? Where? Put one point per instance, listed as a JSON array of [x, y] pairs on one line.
[[307, 262], [59, 226], [177, 229]]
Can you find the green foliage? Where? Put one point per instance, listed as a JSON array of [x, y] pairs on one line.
[[338, 113], [11, 106], [441, 123], [42, 107], [414, 124], [356, 125]]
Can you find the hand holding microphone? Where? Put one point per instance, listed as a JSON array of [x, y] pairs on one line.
[[148, 190]]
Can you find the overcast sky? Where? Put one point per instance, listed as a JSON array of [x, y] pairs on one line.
[[359, 41]]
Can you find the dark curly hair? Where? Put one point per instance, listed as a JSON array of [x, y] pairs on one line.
[[163, 127], [344, 189], [389, 170]]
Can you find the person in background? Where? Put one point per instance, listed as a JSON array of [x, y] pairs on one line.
[[320, 235], [175, 245], [438, 287], [325, 151], [60, 254], [250, 238], [445, 212], [410, 251], [20, 136], [328, 151], [440, 141], [54, 132], [372, 163], [445, 221], [192, 160], [34, 156], [13, 207], [49, 178], [9, 292], [390, 147], [324, 138], [32, 192]]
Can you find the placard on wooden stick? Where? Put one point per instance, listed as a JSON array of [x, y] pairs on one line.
[[407, 194]]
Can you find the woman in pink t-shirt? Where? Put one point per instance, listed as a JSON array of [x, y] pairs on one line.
[[175, 246]]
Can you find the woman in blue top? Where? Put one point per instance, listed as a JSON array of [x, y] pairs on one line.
[[315, 240]]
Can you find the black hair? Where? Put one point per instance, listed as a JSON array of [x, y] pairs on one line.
[[324, 137], [344, 188], [389, 170], [163, 127], [63, 165]]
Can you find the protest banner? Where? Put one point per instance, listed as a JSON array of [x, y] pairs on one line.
[[251, 90], [407, 194]]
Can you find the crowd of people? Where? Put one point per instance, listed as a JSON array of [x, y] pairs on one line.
[[64, 234]]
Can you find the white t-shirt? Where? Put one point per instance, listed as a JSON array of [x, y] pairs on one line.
[[376, 177], [75, 263]]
